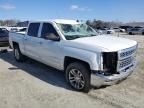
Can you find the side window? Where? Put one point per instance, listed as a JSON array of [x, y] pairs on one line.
[[33, 29], [47, 29]]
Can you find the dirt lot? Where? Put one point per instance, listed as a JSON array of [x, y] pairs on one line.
[[34, 85]]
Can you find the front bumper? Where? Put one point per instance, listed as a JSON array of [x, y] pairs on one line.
[[98, 79]]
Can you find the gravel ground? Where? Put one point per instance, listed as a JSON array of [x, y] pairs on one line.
[[34, 85]]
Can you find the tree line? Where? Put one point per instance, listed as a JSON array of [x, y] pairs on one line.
[[10, 22], [97, 24], [93, 23]]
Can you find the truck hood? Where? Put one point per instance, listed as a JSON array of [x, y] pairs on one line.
[[103, 42]]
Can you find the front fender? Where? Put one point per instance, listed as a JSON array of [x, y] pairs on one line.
[[92, 58]]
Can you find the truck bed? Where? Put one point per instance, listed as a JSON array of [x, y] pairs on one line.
[[15, 37]]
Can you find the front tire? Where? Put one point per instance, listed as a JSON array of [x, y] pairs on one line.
[[143, 33], [78, 76], [18, 55]]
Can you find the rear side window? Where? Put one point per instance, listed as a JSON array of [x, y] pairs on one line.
[[33, 29], [47, 29]]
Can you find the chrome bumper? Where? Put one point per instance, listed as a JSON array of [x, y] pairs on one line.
[[100, 79]]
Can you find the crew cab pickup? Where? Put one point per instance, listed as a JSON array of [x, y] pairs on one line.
[[75, 48]]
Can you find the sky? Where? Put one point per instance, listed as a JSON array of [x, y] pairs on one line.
[[107, 10]]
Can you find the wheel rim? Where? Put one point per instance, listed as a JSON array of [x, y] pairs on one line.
[[17, 54], [76, 79]]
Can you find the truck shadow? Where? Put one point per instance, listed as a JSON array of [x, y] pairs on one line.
[[38, 70]]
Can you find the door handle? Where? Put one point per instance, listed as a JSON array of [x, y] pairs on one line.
[[25, 39]]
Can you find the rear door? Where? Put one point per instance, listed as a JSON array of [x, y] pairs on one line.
[[31, 41]]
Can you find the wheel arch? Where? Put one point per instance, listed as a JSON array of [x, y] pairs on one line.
[[68, 60], [15, 44]]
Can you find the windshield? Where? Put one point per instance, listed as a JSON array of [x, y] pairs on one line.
[[74, 31]]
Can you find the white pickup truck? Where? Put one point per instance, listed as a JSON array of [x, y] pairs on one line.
[[75, 48]]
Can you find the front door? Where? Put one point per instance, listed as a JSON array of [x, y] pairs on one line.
[[50, 51]]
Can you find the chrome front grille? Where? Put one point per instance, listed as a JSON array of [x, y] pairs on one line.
[[127, 53], [125, 62], [126, 57]]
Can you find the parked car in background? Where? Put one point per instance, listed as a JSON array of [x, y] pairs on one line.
[[110, 31], [22, 31], [126, 28], [119, 30], [105, 31], [100, 32], [17, 29], [139, 27], [14, 29], [142, 31], [4, 37], [134, 31]]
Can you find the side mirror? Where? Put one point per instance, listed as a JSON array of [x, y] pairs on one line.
[[52, 36]]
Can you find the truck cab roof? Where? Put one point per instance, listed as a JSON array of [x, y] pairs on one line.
[[62, 21]]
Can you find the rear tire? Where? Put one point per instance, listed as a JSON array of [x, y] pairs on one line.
[[130, 33], [143, 33], [18, 55], [78, 76]]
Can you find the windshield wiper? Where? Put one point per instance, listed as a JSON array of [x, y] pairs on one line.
[[78, 36], [73, 37], [92, 35]]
